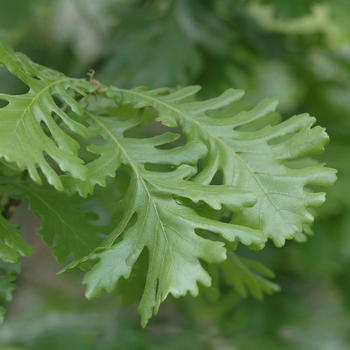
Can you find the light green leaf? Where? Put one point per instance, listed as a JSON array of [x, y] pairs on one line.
[[256, 161], [167, 230], [254, 158], [24, 120], [109, 160]]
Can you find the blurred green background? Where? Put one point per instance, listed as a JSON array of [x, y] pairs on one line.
[[297, 51]]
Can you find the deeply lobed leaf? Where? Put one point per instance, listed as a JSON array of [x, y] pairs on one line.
[[265, 193], [23, 140], [149, 217], [255, 161]]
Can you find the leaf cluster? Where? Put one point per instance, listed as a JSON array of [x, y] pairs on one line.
[[206, 178]]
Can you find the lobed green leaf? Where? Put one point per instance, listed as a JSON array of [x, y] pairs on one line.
[[255, 161], [29, 135], [149, 217]]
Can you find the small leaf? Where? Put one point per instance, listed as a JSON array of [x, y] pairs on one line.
[[6, 288], [248, 276], [13, 245]]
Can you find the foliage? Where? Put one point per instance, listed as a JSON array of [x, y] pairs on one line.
[[170, 212], [297, 53]]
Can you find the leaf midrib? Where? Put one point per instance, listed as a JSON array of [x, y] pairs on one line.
[[139, 175]]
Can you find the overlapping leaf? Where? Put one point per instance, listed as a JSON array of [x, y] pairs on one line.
[[69, 229], [256, 161], [240, 276], [151, 218], [23, 140], [261, 189], [248, 277], [12, 244]]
